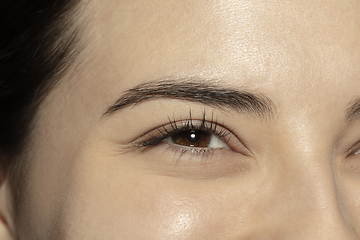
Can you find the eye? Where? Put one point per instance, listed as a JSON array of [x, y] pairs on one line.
[[192, 136], [196, 138], [202, 136], [355, 149], [192, 148]]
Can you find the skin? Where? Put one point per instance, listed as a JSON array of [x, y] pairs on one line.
[[298, 176]]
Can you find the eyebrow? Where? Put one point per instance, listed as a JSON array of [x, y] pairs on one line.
[[353, 112], [195, 90]]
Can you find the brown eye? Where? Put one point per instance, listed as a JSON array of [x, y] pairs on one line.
[[192, 138]]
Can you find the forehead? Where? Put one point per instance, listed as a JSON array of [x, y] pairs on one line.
[[230, 37], [292, 47], [292, 44]]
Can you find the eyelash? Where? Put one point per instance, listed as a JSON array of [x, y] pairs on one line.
[[173, 127]]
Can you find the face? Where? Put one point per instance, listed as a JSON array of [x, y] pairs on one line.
[[202, 120]]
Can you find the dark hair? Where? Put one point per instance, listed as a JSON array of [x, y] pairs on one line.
[[37, 44], [39, 41]]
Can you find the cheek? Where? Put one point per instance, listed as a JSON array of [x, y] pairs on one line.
[[113, 198], [350, 199], [138, 206], [137, 213]]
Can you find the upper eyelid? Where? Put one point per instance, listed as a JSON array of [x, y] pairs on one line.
[[172, 122], [189, 124]]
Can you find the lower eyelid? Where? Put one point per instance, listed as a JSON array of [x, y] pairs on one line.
[[191, 152], [202, 164], [195, 152], [199, 162]]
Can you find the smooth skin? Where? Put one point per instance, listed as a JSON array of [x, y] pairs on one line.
[[292, 175]]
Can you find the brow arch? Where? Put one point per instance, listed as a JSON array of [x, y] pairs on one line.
[[196, 90]]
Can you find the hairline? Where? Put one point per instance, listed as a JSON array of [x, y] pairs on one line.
[[70, 22]]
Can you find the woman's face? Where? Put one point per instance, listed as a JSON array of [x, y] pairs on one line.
[[247, 127]]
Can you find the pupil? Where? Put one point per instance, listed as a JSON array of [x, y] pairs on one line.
[[193, 136]]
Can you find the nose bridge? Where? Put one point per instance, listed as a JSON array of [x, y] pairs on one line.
[[312, 208], [314, 212]]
